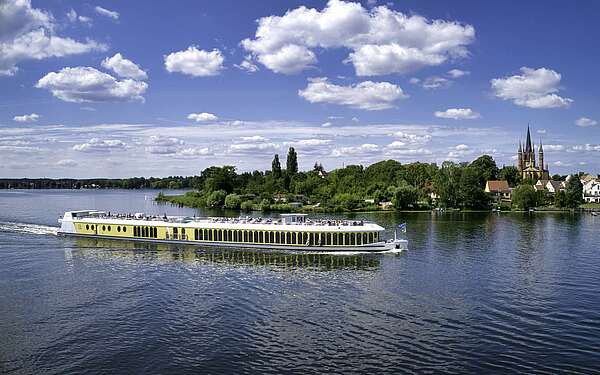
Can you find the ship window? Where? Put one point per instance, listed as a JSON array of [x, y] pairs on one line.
[[93, 227], [376, 236], [370, 237], [359, 238], [271, 237], [155, 232], [118, 228], [87, 227], [335, 238], [104, 227], [261, 237], [365, 238], [124, 229], [288, 237]]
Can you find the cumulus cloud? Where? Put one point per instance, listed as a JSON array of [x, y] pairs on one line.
[[364, 149], [254, 138], [458, 114], [247, 65], [27, 118], [457, 73], [66, 163], [461, 147], [326, 124], [204, 116], [74, 17], [86, 84], [410, 151], [124, 68], [195, 62], [28, 33], [367, 95], [194, 151], [107, 13], [534, 88], [98, 145], [554, 147], [585, 122], [309, 143], [381, 40], [253, 147], [408, 138]]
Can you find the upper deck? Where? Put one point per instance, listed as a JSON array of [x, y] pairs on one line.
[[292, 222]]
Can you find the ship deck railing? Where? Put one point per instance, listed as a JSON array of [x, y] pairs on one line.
[[240, 220]]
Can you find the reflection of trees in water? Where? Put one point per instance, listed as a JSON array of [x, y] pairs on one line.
[[141, 251]]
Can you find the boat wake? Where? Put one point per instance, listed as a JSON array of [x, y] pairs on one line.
[[8, 226]]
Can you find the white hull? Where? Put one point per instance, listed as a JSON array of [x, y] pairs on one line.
[[375, 247]]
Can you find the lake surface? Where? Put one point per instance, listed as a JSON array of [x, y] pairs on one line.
[[475, 293]]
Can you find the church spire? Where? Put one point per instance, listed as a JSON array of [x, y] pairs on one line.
[[528, 147], [541, 149]]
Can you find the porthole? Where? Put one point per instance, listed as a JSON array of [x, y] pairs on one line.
[[118, 228], [104, 227], [124, 229], [109, 228], [87, 227]]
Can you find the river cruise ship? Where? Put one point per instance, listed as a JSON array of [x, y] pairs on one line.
[[286, 232]]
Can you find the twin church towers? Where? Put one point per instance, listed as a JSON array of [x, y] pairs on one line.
[[527, 162]]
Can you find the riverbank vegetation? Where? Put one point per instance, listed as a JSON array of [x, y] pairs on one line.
[[384, 185]]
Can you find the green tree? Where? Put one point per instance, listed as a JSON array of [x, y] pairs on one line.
[[233, 201], [219, 178], [446, 184], [247, 206], [292, 162], [265, 205], [560, 199], [511, 174], [406, 196], [574, 192], [486, 169], [216, 198], [276, 167], [347, 201], [524, 197], [471, 192]]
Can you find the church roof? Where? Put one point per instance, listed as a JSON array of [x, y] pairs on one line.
[[497, 186], [528, 147]]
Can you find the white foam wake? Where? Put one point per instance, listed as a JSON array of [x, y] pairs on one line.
[[7, 226]]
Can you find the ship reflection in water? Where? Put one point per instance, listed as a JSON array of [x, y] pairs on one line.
[[86, 248]]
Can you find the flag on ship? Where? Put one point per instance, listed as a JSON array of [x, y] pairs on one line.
[[402, 227]]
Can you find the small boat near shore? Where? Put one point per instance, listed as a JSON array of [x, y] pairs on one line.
[[287, 232]]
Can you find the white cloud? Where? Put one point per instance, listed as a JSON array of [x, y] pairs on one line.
[[86, 84], [247, 65], [381, 40], [123, 67], [33, 117], [254, 138], [195, 62], [411, 151], [158, 140], [364, 149], [541, 131], [461, 147], [66, 163], [194, 151], [355, 119], [585, 122], [326, 124], [253, 147], [435, 82], [309, 142], [586, 147], [409, 138], [204, 116], [554, 147], [368, 95], [98, 145], [107, 13], [535, 88], [457, 73], [74, 17], [458, 114], [28, 33]]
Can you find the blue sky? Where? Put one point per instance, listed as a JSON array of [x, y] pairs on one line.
[[114, 89]]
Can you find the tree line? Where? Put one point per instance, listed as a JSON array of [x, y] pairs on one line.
[[404, 186], [172, 182]]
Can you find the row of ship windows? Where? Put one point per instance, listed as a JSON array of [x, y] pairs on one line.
[[286, 238], [269, 237], [106, 228]]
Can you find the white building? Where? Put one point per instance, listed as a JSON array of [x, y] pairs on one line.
[[591, 191]]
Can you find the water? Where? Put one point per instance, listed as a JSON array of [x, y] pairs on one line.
[[475, 293]]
